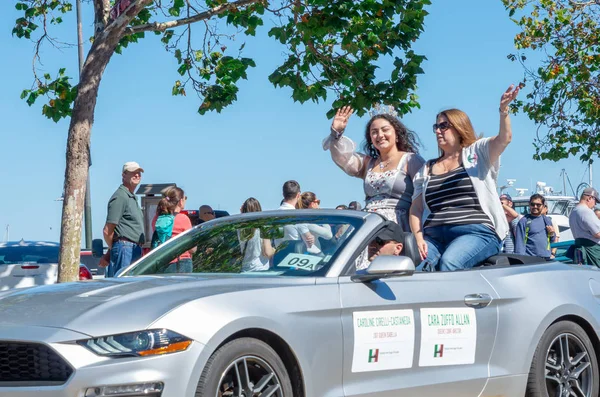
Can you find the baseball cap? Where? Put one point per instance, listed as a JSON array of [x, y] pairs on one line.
[[392, 232], [505, 196], [131, 166], [590, 191]]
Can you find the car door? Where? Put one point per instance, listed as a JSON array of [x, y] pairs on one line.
[[428, 334]]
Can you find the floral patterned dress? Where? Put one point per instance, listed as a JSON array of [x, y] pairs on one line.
[[389, 193]]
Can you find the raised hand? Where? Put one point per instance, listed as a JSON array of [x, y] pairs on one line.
[[509, 95], [340, 121]]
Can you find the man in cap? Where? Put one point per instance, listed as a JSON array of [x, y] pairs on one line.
[[124, 228], [206, 213], [585, 227], [387, 242]]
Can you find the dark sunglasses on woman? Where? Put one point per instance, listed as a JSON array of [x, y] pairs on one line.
[[443, 126]]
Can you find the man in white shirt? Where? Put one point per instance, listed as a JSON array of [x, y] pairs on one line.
[[291, 195], [585, 227]]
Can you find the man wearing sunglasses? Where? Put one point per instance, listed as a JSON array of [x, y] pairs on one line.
[[206, 213], [387, 242], [534, 232], [585, 227]]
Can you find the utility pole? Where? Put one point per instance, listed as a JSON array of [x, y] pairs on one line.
[[87, 212]]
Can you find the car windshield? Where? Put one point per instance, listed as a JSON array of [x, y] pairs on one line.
[[29, 254], [266, 245]]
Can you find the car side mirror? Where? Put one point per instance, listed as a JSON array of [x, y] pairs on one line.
[[97, 248], [386, 266]]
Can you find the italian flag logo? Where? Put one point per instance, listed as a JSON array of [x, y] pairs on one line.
[[438, 351], [373, 355]]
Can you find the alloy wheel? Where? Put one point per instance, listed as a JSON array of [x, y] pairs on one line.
[[249, 376], [568, 368]]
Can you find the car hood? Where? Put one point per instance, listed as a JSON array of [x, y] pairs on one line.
[[116, 305]]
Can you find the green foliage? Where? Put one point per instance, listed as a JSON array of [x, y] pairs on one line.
[[339, 45], [565, 89], [331, 47], [141, 18], [40, 11], [59, 92]]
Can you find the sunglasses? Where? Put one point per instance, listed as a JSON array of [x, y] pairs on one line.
[[535, 204], [317, 201], [208, 213], [443, 126], [595, 199]]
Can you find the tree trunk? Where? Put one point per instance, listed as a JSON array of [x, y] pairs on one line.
[[78, 144]]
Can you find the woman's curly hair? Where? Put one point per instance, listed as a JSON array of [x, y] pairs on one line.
[[407, 140]]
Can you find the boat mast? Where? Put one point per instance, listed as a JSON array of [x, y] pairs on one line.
[[590, 165]]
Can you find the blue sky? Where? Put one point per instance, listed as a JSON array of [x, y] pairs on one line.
[[254, 146]]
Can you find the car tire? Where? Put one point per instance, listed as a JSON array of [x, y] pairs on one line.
[[552, 372], [265, 370]]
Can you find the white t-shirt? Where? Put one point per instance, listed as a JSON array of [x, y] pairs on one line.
[[293, 232], [317, 231], [252, 250], [584, 223]]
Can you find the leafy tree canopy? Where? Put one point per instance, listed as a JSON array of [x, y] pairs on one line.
[[565, 99], [329, 46]]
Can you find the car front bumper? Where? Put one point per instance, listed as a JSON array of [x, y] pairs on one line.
[[178, 372]]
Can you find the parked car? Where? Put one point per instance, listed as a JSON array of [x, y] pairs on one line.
[[30, 263], [91, 262], [305, 322]]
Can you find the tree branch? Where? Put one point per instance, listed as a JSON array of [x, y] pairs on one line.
[[101, 14], [162, 26], [584, 4]]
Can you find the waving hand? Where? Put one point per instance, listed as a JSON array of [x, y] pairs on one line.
[[340, 121]]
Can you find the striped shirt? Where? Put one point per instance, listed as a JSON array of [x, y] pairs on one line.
[[508, 245], [452, 200]]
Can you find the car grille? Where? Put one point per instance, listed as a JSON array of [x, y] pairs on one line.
[[25, 364]]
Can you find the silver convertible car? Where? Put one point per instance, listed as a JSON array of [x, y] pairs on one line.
[[262, 314]]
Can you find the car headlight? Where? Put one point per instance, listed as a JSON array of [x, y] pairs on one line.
[[143, 343]]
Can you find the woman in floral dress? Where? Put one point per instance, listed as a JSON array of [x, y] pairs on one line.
[[388, 166]]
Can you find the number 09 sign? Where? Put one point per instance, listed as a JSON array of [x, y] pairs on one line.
[[301, 261]]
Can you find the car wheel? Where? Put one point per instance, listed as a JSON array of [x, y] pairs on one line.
[[244, 367], [564, 364]]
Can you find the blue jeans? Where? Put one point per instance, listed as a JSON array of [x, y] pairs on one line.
[[184, 265], [122, 254], [457, 247]]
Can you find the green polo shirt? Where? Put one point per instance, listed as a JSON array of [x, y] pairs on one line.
[[125, 212]]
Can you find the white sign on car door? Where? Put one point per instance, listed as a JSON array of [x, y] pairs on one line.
[[383, 339], [448, 336]]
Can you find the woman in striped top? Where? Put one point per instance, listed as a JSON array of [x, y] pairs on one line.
[[456, 216]]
